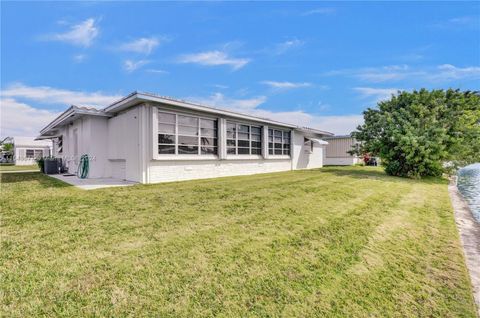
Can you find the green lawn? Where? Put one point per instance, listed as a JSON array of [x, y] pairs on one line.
[[10, 167], [334, 242]]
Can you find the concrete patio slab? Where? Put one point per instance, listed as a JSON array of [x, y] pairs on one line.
[[92, 184]]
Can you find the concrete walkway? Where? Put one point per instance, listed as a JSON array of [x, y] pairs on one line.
[[18, 171], [470, 237], [92, 184]]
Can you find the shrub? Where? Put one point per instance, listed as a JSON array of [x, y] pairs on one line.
[[423, 133]]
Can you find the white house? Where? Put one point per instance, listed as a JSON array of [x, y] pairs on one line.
[[149, 138], [27, 149], [336, 152]]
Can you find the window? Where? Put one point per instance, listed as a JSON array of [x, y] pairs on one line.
[[308, 143], [186, 135], [278, 142], [60, 144], [33, 153], [244, 139]]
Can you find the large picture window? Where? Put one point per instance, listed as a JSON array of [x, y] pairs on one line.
[[244, 139], [278, 142], [186, 135]]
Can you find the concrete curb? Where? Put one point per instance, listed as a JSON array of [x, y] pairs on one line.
[[469, 231]]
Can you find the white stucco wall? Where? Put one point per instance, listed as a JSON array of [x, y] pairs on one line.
[[97, 147], [341, 161], [117, 169], [91, 140], [303, 157], [21, 152], [126, 146]]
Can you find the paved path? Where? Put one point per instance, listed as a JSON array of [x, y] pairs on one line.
[[92, 183], [18, 171], [470, 237]]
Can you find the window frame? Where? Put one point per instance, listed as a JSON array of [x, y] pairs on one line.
[[29, 157], [182, 156], [250, 147], [271, 150], [307, 142], [221, 122], [35, 151], [59, 144]]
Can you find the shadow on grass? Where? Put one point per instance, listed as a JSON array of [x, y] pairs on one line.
[[378, 173], [43, 180]]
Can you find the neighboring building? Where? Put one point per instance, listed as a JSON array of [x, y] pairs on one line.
[[336, 153], [148, 138], [26, 149]]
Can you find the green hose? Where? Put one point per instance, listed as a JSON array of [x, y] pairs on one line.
[[83, 166]]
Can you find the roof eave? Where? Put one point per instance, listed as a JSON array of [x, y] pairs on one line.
[[71, 111], [314, 131], [136, 98]]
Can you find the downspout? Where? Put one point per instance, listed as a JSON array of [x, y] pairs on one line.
[[143, 128]]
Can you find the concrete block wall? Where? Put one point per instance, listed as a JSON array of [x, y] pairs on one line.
[[163, 171]]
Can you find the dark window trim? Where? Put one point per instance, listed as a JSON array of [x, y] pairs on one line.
[[251, 149], [198, 135]]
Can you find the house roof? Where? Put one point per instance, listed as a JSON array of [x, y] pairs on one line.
[[135, 98], [30, 142], [69, 115], [339, 137], [140, 97]]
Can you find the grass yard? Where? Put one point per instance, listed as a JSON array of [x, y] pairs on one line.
[[334, 242], [10, 167]]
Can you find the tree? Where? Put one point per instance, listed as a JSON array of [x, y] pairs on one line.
[[8, 147], [423, 133]]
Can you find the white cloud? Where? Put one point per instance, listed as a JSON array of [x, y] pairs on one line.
[[459, 23], [130, 66], [448, 72], [283, 47], [214, 58], [376, 77], [79, 58], [81, 34], [221, 101], [50, 95], [220, 86], [440, 73], [376, 74], [286, 85], [377, 93], [141, 45], [19, 119], [324, 11], [157, 71], [341, 124], [412, 57]]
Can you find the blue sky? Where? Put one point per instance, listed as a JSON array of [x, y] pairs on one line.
[[313, 63]]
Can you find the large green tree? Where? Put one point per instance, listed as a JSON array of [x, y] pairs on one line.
[[423, 133]]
